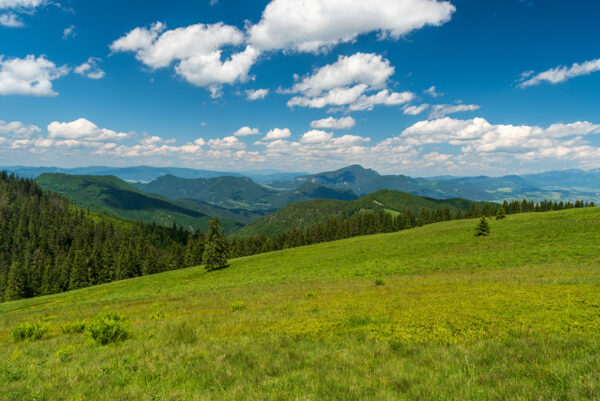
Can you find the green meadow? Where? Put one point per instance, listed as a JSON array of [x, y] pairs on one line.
[[431, 313]]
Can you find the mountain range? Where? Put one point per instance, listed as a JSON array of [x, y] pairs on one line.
[[190, 198]]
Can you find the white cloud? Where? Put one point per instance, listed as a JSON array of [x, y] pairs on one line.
[[442, 110], [245, 131], [82, 129], [560, 74], [69, 32], [479, 136], [367, 69], [20, 4], [230, 142], [90, 69], [10, 20], [415, 110], [334, 123], [17, 129], [315, 25], [349, 83], [432, 91], [30, 76], [316, 136], [277, 133], [256, 94], [196, 51]]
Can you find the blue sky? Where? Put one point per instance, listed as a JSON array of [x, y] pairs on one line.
[[419, 87]]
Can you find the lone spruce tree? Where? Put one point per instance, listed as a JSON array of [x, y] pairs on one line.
[[501, 213], [217, 247], [483, 228]]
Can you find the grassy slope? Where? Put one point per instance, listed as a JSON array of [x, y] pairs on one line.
[[304, 214], [512, 316], [109, 194]]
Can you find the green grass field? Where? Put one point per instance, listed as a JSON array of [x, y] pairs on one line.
[[512, 316]]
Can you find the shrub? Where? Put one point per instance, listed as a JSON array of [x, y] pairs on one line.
[[309, 295], [29, 331], [239, 305], [107, 327], [379, 282], [78, 326]]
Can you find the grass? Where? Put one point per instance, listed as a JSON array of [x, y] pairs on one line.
[[515, 315]]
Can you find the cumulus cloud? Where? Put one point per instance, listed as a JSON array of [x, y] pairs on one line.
[[354, 82], [195, 50], [277, 133], [334, 123], [559, 74], [90, 69], [256, 94], [478, 135], [442, 110], [29, 76], [82, 129], [316, 136], [17, 129], [245, 131], [10, 19], [230, 142], [316, 25]]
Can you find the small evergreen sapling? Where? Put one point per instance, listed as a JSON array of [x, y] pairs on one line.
[[501, 213], [483, 228], [216, 249]]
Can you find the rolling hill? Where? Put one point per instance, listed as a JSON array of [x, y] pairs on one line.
[[109, 194], [239, 192], [452, 317], [302, 215]]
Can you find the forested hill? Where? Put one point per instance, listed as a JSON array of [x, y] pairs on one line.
[[48, 245], [302, 215], [240, 192], [109, 194]]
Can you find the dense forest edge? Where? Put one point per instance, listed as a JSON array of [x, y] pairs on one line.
[[48, 245]]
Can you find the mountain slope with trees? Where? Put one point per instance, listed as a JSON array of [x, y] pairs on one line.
[[109, 194], [239, 192], [302, 215], [47, 245]]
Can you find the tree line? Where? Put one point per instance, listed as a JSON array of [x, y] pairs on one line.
[[48, 245], [383, 222]]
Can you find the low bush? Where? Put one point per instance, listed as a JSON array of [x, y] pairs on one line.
[[379, 282], [78, 326], [309, 295], [107, 327], [29, 331]]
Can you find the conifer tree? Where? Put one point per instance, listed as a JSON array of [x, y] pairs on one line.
[[216, 248], [501, 213], [483, 228]]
